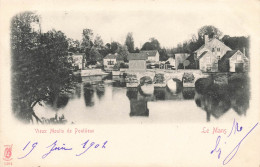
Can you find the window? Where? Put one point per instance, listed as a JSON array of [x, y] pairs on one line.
[[218, 57], [213, 49], [218, 49], [110, 62]]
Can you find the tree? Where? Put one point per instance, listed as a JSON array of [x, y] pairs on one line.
[[95, 55], [163, 55], [237, 43], [40, 65], [153, 44], [74, 45], [122, 52], [209, 30], [98, 42], [55, 65], [129, 42], [147, 46], [24, 42], [87, 43], [114, 47]]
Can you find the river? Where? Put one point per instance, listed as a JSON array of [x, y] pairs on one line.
[[99, 100]]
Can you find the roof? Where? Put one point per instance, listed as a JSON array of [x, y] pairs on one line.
[[76, 54], [202, 46], [149, 53], [209, 43], [228, 55], [110, 56], [202, 54], [136, 56]]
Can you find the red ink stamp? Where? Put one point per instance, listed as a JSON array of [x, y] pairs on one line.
[[8, 152]]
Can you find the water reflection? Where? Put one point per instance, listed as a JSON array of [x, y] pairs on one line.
[[110, 94], [88, 94], [100, 89], [160, 93], [58, 101], [77, 92], [188, 93], [118, 81], [217, 99], [138, 103], [239, 95]]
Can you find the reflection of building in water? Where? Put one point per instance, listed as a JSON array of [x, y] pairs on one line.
[[218, 99], [159, 93], [138, 104], [100, 89], [119, 81], [88, 94], [138, 108]]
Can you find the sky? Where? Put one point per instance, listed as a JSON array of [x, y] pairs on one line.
[[170, 25]]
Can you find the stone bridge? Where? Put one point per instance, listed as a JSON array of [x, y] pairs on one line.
[[168, 74]]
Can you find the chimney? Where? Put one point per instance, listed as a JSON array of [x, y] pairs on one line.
[[244, 50], [206, 38]]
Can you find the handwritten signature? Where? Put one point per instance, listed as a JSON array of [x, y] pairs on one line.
[[235, 129], [56, 146]]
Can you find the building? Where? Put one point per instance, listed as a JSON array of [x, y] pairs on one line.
[[210, 53], [78, 60], [208, 62], [171, 61], [180, 58], [152, 55], [137, 61], [233, 61], [110, 60]]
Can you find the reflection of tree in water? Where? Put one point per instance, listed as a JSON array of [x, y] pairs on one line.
[[138, 107], [100, 90], [239, 94], [188, 93], [88, 94], [218, 99], [78, 91], [58, 102]]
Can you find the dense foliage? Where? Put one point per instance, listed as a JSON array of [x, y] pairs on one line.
[[41, 66]]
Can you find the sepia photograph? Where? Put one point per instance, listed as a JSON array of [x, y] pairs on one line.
[[70, 67], [129, 83]]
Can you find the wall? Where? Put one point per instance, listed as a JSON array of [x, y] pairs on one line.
[[234, 59], [137, 65], [106, 61], [208, 60], [154, 58], [215, 43]]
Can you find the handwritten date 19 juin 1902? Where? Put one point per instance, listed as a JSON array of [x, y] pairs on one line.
[[219, 142], [57, 146]]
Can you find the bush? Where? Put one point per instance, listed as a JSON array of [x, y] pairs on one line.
[[123, 65], [188, 78]]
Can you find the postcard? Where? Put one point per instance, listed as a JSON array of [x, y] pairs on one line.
[[129, 83]]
